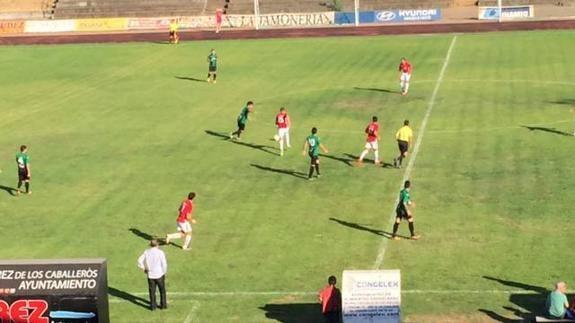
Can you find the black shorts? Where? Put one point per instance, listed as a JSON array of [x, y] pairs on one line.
[[172, 33], [23, 174], [241, 126], [314, 159], [403, 146], [212, 69], [401, 213]]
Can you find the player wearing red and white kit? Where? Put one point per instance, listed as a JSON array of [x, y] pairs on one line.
[[372, 131], [283, 123], [405, 69], [184, 223]]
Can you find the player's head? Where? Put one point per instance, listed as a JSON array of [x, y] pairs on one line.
[[212, 50], [282, 110], [407, 184], [191, 195], [374, 119], [154, 243], [403, 59], [250, 105], [406, 122], [332, 280], [23, 148], [314, 130]]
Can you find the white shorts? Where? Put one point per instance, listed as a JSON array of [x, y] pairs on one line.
[[371, 145], [405, 77], [282, 132], [184, 227]]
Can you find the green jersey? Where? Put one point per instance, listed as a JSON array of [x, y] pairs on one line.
[[313, 143], [213, 60], [243, 117], [22, 159], [404, 198]]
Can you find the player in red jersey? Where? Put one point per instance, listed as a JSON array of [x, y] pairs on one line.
[[283, 123], [184, 222], [372, 131], [405, 69], [219, 14]]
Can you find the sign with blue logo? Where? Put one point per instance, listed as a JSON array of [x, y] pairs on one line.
[[511, 12], [407, 15]]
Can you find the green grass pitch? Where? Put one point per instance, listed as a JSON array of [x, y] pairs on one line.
[[120, 133]]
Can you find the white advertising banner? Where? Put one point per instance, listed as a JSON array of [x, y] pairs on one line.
[[371, 296], [49, 26]]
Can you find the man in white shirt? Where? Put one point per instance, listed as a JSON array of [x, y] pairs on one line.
[[153, 263]]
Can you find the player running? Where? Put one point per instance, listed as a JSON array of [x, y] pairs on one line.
[[312, 145], [212, 66], [184, 223], [283, 123], [404, 138], [242, 120], [405, 69], [174, 26], [24, 173], [404, 210], [372, 131]]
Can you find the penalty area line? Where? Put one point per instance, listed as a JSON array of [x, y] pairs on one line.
[[409, 168]]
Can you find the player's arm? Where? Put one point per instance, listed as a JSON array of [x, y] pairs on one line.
[[288, 121], [28, 170], [323, 148], [305, 147], [141, 264]]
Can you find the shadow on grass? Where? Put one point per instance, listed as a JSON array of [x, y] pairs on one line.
[[546, 129], [189, 79], [281, 171], [376, 90], [366, 228], [530, 302], [223, 136], [564, 101], [294, 313], [367, 160], [136, 300], [347, 161], [141, 234], [10, 190]]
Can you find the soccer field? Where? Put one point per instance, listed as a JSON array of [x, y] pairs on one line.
[[118, 134]]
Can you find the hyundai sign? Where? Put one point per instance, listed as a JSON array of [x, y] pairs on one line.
[[407, 15]]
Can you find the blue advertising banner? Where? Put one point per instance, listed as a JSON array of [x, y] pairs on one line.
[[365, 17], [512, 12], [407, 15]]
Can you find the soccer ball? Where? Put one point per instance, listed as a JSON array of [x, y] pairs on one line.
[[276, 138]]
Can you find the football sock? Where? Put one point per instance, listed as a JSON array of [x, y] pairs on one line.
[[411, 228], [215, 75], [376, 156], [187, 242], [317, 169], [362, 156], [19, 184], [406, 87], [401, 86], [310, 171], [174, 235], [287, 138], [400, 159], [281, 145], [395, 227], [27, 185]]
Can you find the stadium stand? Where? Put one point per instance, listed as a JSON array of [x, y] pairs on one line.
[[128, 8], [26, 9]]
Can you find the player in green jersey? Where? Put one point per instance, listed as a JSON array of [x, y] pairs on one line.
[[404, 210], [212, 66], [242, 120], [24, 173], [312, 145]]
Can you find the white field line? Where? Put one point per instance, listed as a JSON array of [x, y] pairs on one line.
[[184, 295], [192, 313], [409, 168]]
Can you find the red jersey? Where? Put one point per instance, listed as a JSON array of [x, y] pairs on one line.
[[372, 131], [185, 210], [219, 14], [282, 120], [405, 67], [330, 299]]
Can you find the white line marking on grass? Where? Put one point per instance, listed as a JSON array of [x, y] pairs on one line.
[[192, 313], [409, 168]]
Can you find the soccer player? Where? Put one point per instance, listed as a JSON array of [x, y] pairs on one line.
[[372, 131], [212, 65], [405, 69], [404, 211], [330, 299], [283, 123], [184, 222], [219, 14], [242, 120], [24, 173], [174, 38], [312, 145], [404, 138]]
